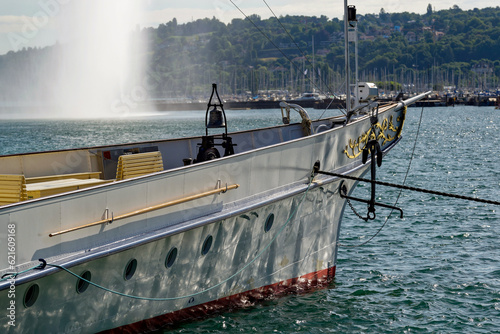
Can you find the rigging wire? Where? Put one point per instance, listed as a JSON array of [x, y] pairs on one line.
[[279, 49], [342, 110], [265, 35], [330, 89], [262, 32]]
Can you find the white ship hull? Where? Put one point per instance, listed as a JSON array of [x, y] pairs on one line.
[[268, 176]]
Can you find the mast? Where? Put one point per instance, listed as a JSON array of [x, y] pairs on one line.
[[314, 69], [351, 35], [347, 71], [354, 31]]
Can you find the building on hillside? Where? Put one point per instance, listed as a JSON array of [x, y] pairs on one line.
[[411, 37]]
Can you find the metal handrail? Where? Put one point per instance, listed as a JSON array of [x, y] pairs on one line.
[[149, 209]]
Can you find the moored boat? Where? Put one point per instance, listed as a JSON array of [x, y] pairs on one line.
[[185, 240], [309, 97], [128, 238]]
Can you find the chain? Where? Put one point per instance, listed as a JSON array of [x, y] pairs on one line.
[[355, 212]]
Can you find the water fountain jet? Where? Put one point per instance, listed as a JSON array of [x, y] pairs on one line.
[[97, 63]]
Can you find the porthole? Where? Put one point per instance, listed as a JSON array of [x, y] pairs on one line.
[[207, 244], [130, 269], [171, 256], [31, 295], [269, 222], [82, 284]]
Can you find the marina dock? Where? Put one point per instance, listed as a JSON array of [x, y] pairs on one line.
[[435, 101]]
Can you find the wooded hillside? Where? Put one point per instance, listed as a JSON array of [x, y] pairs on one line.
[[444, 48]]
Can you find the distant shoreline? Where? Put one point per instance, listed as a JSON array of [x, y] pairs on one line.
[[162, 106]]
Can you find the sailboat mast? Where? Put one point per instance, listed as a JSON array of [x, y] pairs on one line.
[[314, 69], [356, 71]]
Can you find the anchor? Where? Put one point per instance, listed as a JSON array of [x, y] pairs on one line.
[[373, 148]]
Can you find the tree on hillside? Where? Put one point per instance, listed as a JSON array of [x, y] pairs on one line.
[[186, 58], [429, 9]]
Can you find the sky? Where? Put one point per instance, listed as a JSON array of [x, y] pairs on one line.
[[39, 23]]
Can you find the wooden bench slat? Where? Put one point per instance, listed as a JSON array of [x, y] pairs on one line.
[[145, 159], [143, 167], [17, 191], [11, 177], [13, 195], [140, 162], [16, 188], [141, 155], [9, 185], [12, 188], [134, 165], [81, 176], [42, 189]]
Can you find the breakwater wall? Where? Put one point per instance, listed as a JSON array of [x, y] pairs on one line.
[[443, 101]]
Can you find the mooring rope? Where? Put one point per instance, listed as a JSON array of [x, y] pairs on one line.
[[292, 214], [9, 276], [422, 190]]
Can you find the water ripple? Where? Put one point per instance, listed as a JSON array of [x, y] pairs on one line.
[[435, 271]]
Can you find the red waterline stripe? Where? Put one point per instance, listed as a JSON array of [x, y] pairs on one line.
[[304, 283]]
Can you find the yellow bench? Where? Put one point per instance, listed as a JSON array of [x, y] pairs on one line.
[[42, 189], [41, 186], [17, 188], [12, 189], [80, 176], [133, 165]]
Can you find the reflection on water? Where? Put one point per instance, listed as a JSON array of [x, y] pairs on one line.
[[54, 134], [436, 270]]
